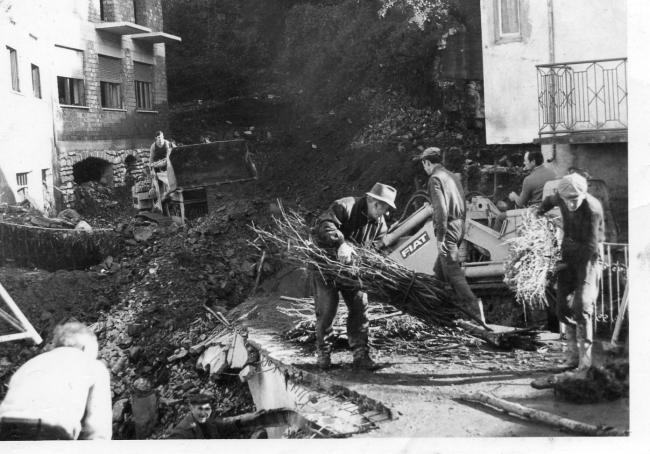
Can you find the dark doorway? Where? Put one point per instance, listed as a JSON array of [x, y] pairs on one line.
[[93, 169]]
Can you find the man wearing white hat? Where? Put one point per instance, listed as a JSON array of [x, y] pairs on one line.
[[584, 232], [358, 220]]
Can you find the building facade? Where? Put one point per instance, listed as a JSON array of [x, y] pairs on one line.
[[555, 75], [84, 86]]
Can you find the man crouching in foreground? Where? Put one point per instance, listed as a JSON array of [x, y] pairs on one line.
[[63, 394], [361, 221]]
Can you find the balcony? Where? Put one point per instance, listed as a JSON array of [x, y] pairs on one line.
[[583, 101]]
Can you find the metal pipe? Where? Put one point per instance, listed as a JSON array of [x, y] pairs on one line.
[[567, 63], [484, 269], [414, 220], [551, 32]]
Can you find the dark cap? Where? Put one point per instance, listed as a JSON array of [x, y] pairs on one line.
[[198, 399], [431, 152]]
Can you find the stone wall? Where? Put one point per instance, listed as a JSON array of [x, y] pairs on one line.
[[116, 158]]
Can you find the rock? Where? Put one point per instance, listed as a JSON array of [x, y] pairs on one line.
[[83, 226], [143, 233], [135, 352], [134, 329], [45, 315], [180, 354], [119, 408], [119, 365], [69, 215]]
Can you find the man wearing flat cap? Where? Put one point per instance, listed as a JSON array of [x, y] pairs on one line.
[[198, 424], [350, 220], [584, 232], [448, 203]]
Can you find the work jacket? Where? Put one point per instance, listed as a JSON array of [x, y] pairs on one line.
[[584, 228], [213, 428], [63, 388], [447, 200], [347, 220], [234, 426]]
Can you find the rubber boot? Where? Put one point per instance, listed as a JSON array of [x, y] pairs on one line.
[[361, 359], [572, 353], [584, 335], [323, 357]]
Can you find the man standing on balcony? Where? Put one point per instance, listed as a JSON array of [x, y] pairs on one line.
[[579, 269]]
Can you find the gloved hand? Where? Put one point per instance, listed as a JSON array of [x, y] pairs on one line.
[[344, 253]]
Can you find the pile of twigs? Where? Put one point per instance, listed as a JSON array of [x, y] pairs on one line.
[[389, 329], [533, 256], [418, 294]]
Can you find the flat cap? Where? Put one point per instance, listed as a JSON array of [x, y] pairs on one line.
[[572, 185], [198, 399], [431, 152]]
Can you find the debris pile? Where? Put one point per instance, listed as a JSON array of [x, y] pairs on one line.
[[93, 196], [610, 381]]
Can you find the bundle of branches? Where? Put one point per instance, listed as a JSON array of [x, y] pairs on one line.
[[417, 294], [533, 256], [54, 249]]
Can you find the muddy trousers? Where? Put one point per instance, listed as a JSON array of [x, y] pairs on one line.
[[447, 266], [582, 281], [326, 298]]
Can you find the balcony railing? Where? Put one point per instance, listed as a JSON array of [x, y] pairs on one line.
[[584, 96]]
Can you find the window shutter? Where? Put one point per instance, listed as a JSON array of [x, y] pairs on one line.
[[110, 69], [69, 62], [143, 72]]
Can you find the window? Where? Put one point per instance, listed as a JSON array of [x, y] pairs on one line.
[[69, 65], [110, 80], [102, 11], [143, 75], [36, 81], [13, 61], [508, 23], [143, 95], [111, 95], [71, 91], [21, 181]]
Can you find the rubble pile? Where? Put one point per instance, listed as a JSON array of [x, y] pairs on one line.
[[395, 121], [168, 276]]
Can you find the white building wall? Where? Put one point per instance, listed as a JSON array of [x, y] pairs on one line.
[[26, 127], [590, 29], [583, 30]]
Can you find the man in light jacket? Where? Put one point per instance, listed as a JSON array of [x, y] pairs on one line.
[[63, 394]]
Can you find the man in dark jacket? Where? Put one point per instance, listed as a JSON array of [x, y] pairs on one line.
[[358, 220], [197, 424], [448, 203], [584, 232]]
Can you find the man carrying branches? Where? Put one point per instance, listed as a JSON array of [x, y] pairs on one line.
[[358, 220], [579, 270]]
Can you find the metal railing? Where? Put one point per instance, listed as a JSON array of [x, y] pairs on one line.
[[612, 286], [582, 96]]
